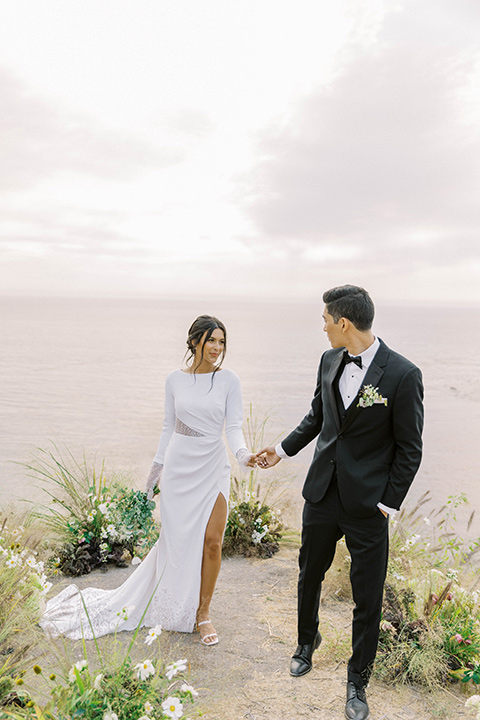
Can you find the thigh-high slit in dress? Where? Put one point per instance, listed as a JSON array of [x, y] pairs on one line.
[[196, 470]]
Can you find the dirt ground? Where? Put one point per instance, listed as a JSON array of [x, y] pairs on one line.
[[246, 674]]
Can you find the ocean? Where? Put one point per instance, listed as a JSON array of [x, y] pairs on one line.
[[88, 376]]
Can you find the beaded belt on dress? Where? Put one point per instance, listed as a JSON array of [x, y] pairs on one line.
[[183, 429]]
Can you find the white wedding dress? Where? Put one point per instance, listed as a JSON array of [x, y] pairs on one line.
[[196, 470]]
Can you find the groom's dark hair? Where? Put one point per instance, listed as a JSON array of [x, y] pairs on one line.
[[351, 302]]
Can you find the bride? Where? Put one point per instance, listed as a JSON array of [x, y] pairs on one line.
[[173, 586]]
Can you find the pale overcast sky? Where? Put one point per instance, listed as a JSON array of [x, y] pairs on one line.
[[240, 148]]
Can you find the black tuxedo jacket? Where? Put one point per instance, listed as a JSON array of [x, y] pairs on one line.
[[375, 451]]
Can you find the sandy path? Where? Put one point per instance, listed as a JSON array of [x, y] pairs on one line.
[[246, 674]]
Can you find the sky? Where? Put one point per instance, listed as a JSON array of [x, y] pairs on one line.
[[250, 149]]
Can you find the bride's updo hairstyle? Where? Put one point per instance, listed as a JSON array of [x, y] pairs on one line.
[[204, 324]]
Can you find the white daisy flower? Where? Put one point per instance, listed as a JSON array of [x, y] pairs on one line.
[[172, 707], [175, 667], [79, 666], [189, 688], [148, 707], [153, 633], [144, 670]]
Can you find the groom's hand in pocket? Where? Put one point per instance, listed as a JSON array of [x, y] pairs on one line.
[[267, 458]]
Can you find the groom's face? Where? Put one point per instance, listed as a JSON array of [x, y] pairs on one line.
[[334, 332]]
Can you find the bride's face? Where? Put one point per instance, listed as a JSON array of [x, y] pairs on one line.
[[213, 347]]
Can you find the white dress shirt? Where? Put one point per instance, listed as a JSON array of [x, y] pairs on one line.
[[349, 384]]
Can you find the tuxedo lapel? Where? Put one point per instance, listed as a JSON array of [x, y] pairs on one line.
[[330, 380], [374, 373]]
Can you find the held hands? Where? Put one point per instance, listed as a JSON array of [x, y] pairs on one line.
[[267, 458]]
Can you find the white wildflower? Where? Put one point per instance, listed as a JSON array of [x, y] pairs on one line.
[[176, 667], [90, 516], [148, 707], [172, 707], [257, 537], [144, 670], [97, 683], [79, 666], [452, 574], [46, 587], [153, 633], [189, 688], [386, 626], [103, 508]]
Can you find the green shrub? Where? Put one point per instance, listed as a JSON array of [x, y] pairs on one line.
[[93, 520], [112, 688], [430, 630], [253, 529], [23, 585]]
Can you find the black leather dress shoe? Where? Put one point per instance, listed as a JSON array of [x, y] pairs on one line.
[[356, 707], [301, 662]]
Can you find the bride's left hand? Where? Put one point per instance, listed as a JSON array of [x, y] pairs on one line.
[[252, 462]]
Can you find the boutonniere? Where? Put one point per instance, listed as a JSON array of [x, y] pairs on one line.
[[369, 396]]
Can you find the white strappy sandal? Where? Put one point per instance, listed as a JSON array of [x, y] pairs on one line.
[[210, 635]]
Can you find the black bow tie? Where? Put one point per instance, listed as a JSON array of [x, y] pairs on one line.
[[349, 358]]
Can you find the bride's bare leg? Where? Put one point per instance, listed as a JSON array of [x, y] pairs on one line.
[[212, 558]]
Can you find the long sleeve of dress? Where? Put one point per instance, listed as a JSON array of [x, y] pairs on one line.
[[168, 427], [168, 423], [234, 422]]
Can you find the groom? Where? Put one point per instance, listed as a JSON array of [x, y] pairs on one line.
[[367, 418]]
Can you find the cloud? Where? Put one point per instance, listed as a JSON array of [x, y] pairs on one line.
[[384, 161], [40, 140], [64, 231]]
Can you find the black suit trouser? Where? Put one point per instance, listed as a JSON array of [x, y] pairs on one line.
[[324, 523]]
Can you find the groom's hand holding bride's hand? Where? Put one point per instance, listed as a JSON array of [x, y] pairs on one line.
[[267, 458]]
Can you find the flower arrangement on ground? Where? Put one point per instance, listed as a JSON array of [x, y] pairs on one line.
[[254, 526], [94, 520]]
